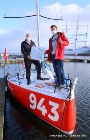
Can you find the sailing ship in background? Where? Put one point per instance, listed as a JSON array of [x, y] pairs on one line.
[[84, 51], [78, 51]]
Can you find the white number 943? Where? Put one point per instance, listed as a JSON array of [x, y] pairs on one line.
[[42, 108]]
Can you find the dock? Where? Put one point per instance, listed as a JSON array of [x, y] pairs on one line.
[[2, 106], [11, 61], [67, 59], [76, 60]]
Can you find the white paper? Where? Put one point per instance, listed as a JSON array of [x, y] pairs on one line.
[[37, 53]]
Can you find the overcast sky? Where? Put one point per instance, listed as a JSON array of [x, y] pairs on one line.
[[12, 31]]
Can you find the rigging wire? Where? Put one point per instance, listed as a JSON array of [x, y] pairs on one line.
[[34, 15], [86, 33], [28, 22], [35, 21], [38, 22], [4, 15], [56, 13], [5, 9], [27, 18], [5, 6]]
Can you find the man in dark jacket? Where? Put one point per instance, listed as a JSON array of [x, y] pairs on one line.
[[26, 50]]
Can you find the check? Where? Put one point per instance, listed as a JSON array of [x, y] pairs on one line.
[[37, 53]]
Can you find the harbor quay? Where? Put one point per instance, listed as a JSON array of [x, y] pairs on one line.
[[2, 106], [20, 60]]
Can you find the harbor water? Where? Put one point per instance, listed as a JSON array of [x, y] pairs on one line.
[[23, 125]]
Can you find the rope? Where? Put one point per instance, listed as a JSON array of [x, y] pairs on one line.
[[34, 28], [27, 18], [5, 9], [34, 25], [34, 15], [56, 12]]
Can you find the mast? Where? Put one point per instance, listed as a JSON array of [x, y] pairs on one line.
[[66, 29], [86, 34], [76, 31], [76, 40], [38, 13], [76, 34]]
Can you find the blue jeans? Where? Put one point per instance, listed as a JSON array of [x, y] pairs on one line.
[[58, 69]]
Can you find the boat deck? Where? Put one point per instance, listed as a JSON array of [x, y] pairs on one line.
[[42, 86]]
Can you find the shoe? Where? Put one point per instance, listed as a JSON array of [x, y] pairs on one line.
[[61, 86], [28, 82], [40, 78], [54, 84]]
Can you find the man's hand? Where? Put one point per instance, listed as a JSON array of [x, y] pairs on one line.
[[33, 46], [29, 57], [60, 41]]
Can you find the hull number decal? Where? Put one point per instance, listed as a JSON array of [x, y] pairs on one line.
[[52, 106]]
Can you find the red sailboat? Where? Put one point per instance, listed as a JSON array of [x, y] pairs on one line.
[[54, 105]]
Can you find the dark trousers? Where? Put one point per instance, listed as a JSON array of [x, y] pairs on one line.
[[28, 67], [58, 69]]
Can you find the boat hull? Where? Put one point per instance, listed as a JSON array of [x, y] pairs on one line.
[[57, 112], [84, 51], [77, 54]]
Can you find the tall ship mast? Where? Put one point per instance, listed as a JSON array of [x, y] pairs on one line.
[[80, 51]]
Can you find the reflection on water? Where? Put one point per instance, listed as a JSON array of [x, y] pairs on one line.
[[22, 125]]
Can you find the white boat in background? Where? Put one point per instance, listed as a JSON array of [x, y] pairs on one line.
[[84, 51]]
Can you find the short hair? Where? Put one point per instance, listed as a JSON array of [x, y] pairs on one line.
[[28, 34], [53, 26]]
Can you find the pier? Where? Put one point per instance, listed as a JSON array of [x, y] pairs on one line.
[[11, 61], [77, 60], [2, 105], [19, 59]]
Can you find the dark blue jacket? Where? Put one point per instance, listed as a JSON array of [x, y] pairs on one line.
[[26, 48]]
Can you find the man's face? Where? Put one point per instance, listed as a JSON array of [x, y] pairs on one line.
[[28, 35], [53, 28]]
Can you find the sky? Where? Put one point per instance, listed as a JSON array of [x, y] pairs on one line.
[[13, 30]]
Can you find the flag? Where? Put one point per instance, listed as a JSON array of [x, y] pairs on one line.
[[23, 65], [5, 55]]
